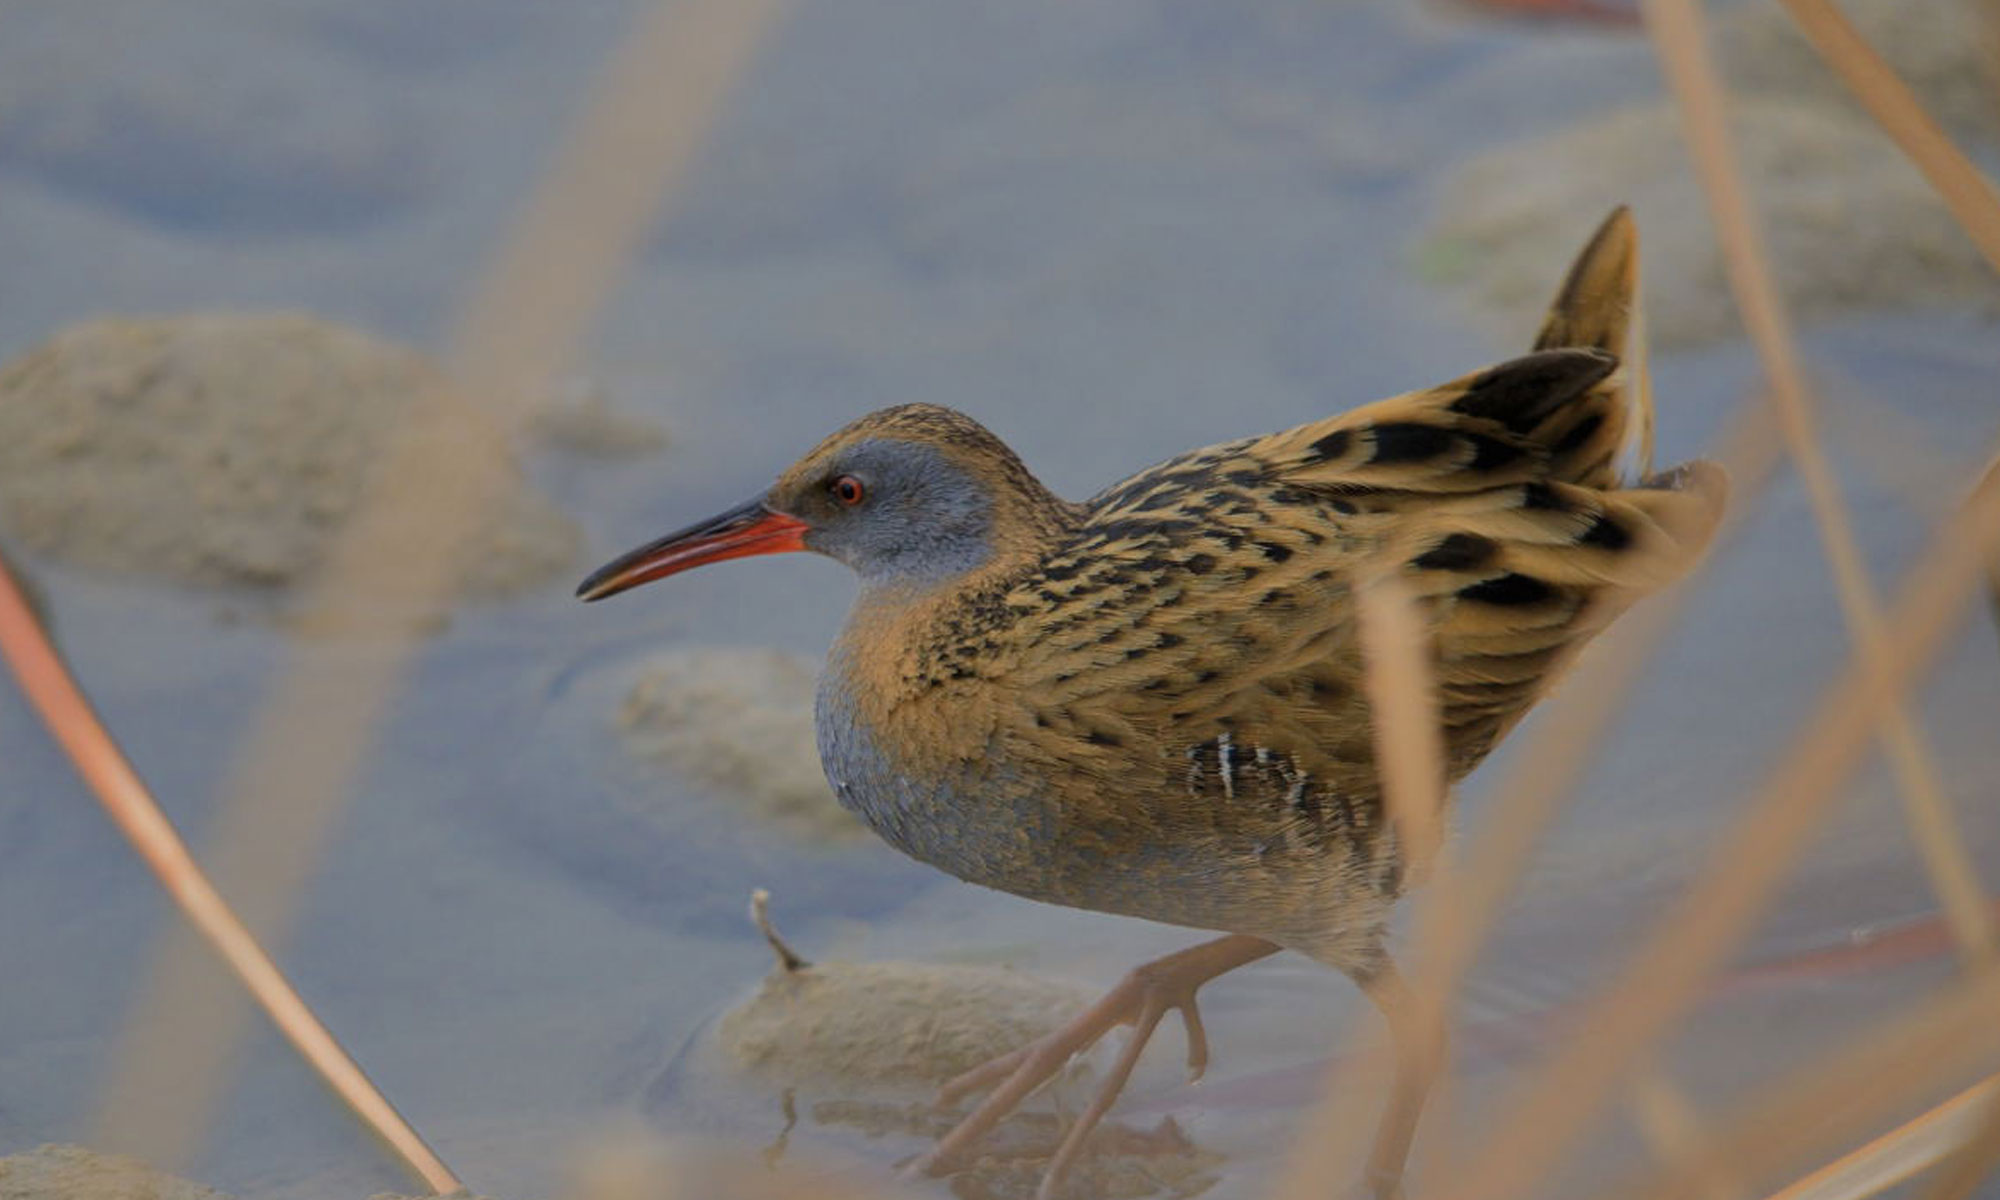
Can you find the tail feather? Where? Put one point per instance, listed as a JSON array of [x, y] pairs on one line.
[[1501, 495], [1593, 308], [1517, 587], [1558, 414], [1496, 497]]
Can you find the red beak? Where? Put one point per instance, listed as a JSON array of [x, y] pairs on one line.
[[738, 533]]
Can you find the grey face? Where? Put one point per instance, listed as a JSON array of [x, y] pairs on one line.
[[919, 517]]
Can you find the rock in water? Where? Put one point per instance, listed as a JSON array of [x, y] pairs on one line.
[[738, 721], [225, 451], [890, 1022], [73, 1173]]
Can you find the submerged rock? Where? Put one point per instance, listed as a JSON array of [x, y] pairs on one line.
[[851, 1039], [1119, 1162], [58, 1172], [738, 721], [890, 1022], [884, 1022], [64, 1172], [226, 451], [1850, 224]]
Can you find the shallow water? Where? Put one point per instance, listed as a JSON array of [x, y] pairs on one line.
[[1111, 232]]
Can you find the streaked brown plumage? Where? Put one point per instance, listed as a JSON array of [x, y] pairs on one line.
[[1151, 703]]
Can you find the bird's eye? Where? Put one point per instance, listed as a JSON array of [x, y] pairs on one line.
[[848, 490]]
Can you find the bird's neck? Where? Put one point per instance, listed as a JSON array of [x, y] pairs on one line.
[[1025, 524], [917, 663]]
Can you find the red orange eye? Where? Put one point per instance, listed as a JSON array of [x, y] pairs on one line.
[[848, 490]]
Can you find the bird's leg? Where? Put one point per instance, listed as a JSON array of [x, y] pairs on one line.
[[1418, 1044], [1146, 994]]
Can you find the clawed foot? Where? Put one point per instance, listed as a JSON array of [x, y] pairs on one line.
[[1141, 1000]]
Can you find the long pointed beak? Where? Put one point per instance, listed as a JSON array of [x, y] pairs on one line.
[[749, 529]]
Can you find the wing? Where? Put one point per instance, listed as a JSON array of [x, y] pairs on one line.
[[1209, 598]]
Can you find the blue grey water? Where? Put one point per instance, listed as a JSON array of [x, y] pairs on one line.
[[1110, 232]]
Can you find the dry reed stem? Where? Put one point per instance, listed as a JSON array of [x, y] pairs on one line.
[[1978, 1154], [1402, 697], [789, 960], [1458, 914], [1326, 1157], [1965, 1128], [1615, 1029], [1459, 911], [74, 723], [1410, 757], [1967, 193], [1989, 37], [305, 750], [1839, 1096], [645, 117], [1993, 591], [1897, 1155], [628, 1166], [1681, 41], [1674, 1130], [1460, 905]]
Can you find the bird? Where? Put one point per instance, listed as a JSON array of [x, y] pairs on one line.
[[1152, 702]]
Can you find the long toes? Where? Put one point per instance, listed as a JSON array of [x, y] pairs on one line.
[[1036, 1066], [983, 1076], [1071, 1147], [1100, 1104], [1197, 1040], [1145, 995]]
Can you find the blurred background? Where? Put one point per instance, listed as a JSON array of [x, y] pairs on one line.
[[235, 238]]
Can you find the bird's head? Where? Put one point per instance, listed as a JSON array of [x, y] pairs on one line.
[[914, 495]]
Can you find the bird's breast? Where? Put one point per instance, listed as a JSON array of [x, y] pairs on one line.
[[924, 786]]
